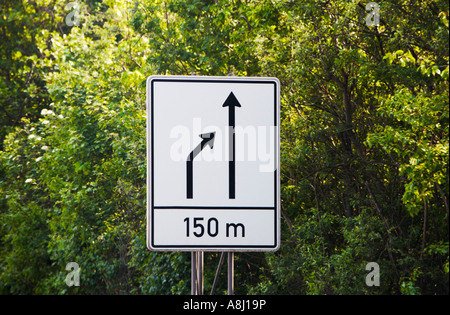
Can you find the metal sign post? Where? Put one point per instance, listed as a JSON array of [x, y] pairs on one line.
[[230, 273], [193, 273], [197, 273]]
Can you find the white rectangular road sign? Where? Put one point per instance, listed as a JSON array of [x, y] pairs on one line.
[[213, 153]]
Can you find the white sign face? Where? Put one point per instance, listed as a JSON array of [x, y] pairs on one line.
[[213, 163]]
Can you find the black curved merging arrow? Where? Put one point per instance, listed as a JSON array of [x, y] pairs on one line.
[[231, 102], [208, 139]]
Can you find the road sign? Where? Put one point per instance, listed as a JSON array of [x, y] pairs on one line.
[[213, 163]]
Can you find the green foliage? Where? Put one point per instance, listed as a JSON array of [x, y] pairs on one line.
[[24, 27], [364, 142], [418, 138]]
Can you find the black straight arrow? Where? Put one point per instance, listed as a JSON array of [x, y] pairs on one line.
[[231, 102], [208, 139]]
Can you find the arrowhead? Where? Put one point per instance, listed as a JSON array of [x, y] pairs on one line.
[[208, 139], [231, 101]]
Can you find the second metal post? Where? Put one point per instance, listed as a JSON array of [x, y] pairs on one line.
[[230, 273]]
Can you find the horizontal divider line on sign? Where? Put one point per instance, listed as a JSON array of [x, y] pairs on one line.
[[209, 208]]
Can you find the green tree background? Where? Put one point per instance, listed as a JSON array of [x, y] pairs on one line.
[[364, 141]]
